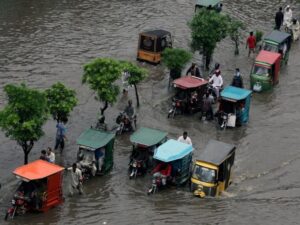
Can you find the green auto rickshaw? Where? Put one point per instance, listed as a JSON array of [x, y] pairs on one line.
[[279, 42], [209, 4], [95, 154], [212, 172], [144, 141]]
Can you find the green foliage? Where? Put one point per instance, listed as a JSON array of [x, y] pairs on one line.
[[61, 101], [175, 58], [234, 30], [137, 73], [100, 75], [24, 115], [208, 28], [258, 35]]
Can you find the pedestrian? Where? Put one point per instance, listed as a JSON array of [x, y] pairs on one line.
[[194, 71], [279, 19], [251, 43], [44, 155], [185, 139], [50, 155], [60, 135], [237, 80], [288, 16], [76, 179], [125, 77]]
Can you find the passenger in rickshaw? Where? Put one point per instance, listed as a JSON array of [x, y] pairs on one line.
[[162, 171], [194, 101], [99, 157], [194, 71], [86, 159]]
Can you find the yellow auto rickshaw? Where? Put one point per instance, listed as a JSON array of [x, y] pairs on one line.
[[212, 172], [151, 45]]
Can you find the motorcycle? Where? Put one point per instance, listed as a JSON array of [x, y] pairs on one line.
[[176, 108], [222, 120], [19, 206], [136, 168], [125, 123], [157, 183]]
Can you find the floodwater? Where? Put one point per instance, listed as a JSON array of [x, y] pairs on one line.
[[43, 41]]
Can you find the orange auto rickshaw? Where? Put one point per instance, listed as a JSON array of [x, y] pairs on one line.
[[40, 188]]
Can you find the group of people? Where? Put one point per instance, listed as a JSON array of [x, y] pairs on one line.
[[283, 18], [48, 155]]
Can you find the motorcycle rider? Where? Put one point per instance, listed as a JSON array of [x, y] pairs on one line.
[[129, 111], [162, 171], [217, 82]]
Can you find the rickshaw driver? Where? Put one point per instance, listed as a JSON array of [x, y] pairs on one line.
[[162, 171], [217, 82]]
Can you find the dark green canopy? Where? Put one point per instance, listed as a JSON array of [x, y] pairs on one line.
[[207, 3], [95, 139], [147, 136], [277, 36]]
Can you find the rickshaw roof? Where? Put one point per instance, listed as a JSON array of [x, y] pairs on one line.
[[158, 33], [267, 57], [94, 139], [235, 93], [188, 82], [172, 150], [207, 3], [147, 136], [38, 169], [216, 152], [277, 36]]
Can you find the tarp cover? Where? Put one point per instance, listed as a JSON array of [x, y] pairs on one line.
[[147, 136], [216, 152], [235, 93], [94, 139], [187, 82], [38, 169], [158, 33], [207, 3], [277, 36], [267, 57], [172, 150]]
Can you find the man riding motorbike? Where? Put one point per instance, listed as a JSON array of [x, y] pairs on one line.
[[161, 172], [237, 80], [217, 82]]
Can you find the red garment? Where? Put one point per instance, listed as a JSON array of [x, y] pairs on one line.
[[251, 41], [163, 168]]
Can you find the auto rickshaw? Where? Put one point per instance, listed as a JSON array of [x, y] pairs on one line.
[[95, 154], [234, 107], [189, 95], [209, 4], [40, 188], [279, 42], [151, 45], [265, 71], [212, 172], [145, 141], [176, 156]]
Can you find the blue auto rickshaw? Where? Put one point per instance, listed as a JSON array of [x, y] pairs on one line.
[[177, 156], [234, 107]]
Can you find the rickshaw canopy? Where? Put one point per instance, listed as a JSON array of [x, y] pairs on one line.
[[147, 136], [94, 139], [188, 82], [235, 93], [216, 152], [172, 150], [36, 170], [156, 33], [267, 57], [207, 3], [277, 36]]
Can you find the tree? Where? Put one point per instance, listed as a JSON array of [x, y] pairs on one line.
[[23, 116], [60, 101], [101, 74], [258, 35], [175, 59], [208, 28], [137, 74], [234, 29]]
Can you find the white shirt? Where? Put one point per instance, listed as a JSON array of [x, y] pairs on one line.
[[187, 140], [217, 80], [51, 157], [75, 177]]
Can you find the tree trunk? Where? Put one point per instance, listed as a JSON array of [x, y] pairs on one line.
[[207, 61], [137, 96], [236, 52], [26, 149], [104, 108]]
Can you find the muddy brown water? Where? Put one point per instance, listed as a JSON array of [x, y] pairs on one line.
[[42, 42]]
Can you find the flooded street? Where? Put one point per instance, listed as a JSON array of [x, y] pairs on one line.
[[43, 41]]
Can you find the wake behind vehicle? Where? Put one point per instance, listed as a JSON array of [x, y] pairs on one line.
[[40, 188], [176, 156], [151, 45], [265, 71], [212, 172], [279, 42], [208, 4], [144, 142], [189, 95], [95, 154], [234, 107]]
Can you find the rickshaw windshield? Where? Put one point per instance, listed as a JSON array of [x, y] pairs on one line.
[[261, 71], [204, 174], [147, 43], [270, 48]]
